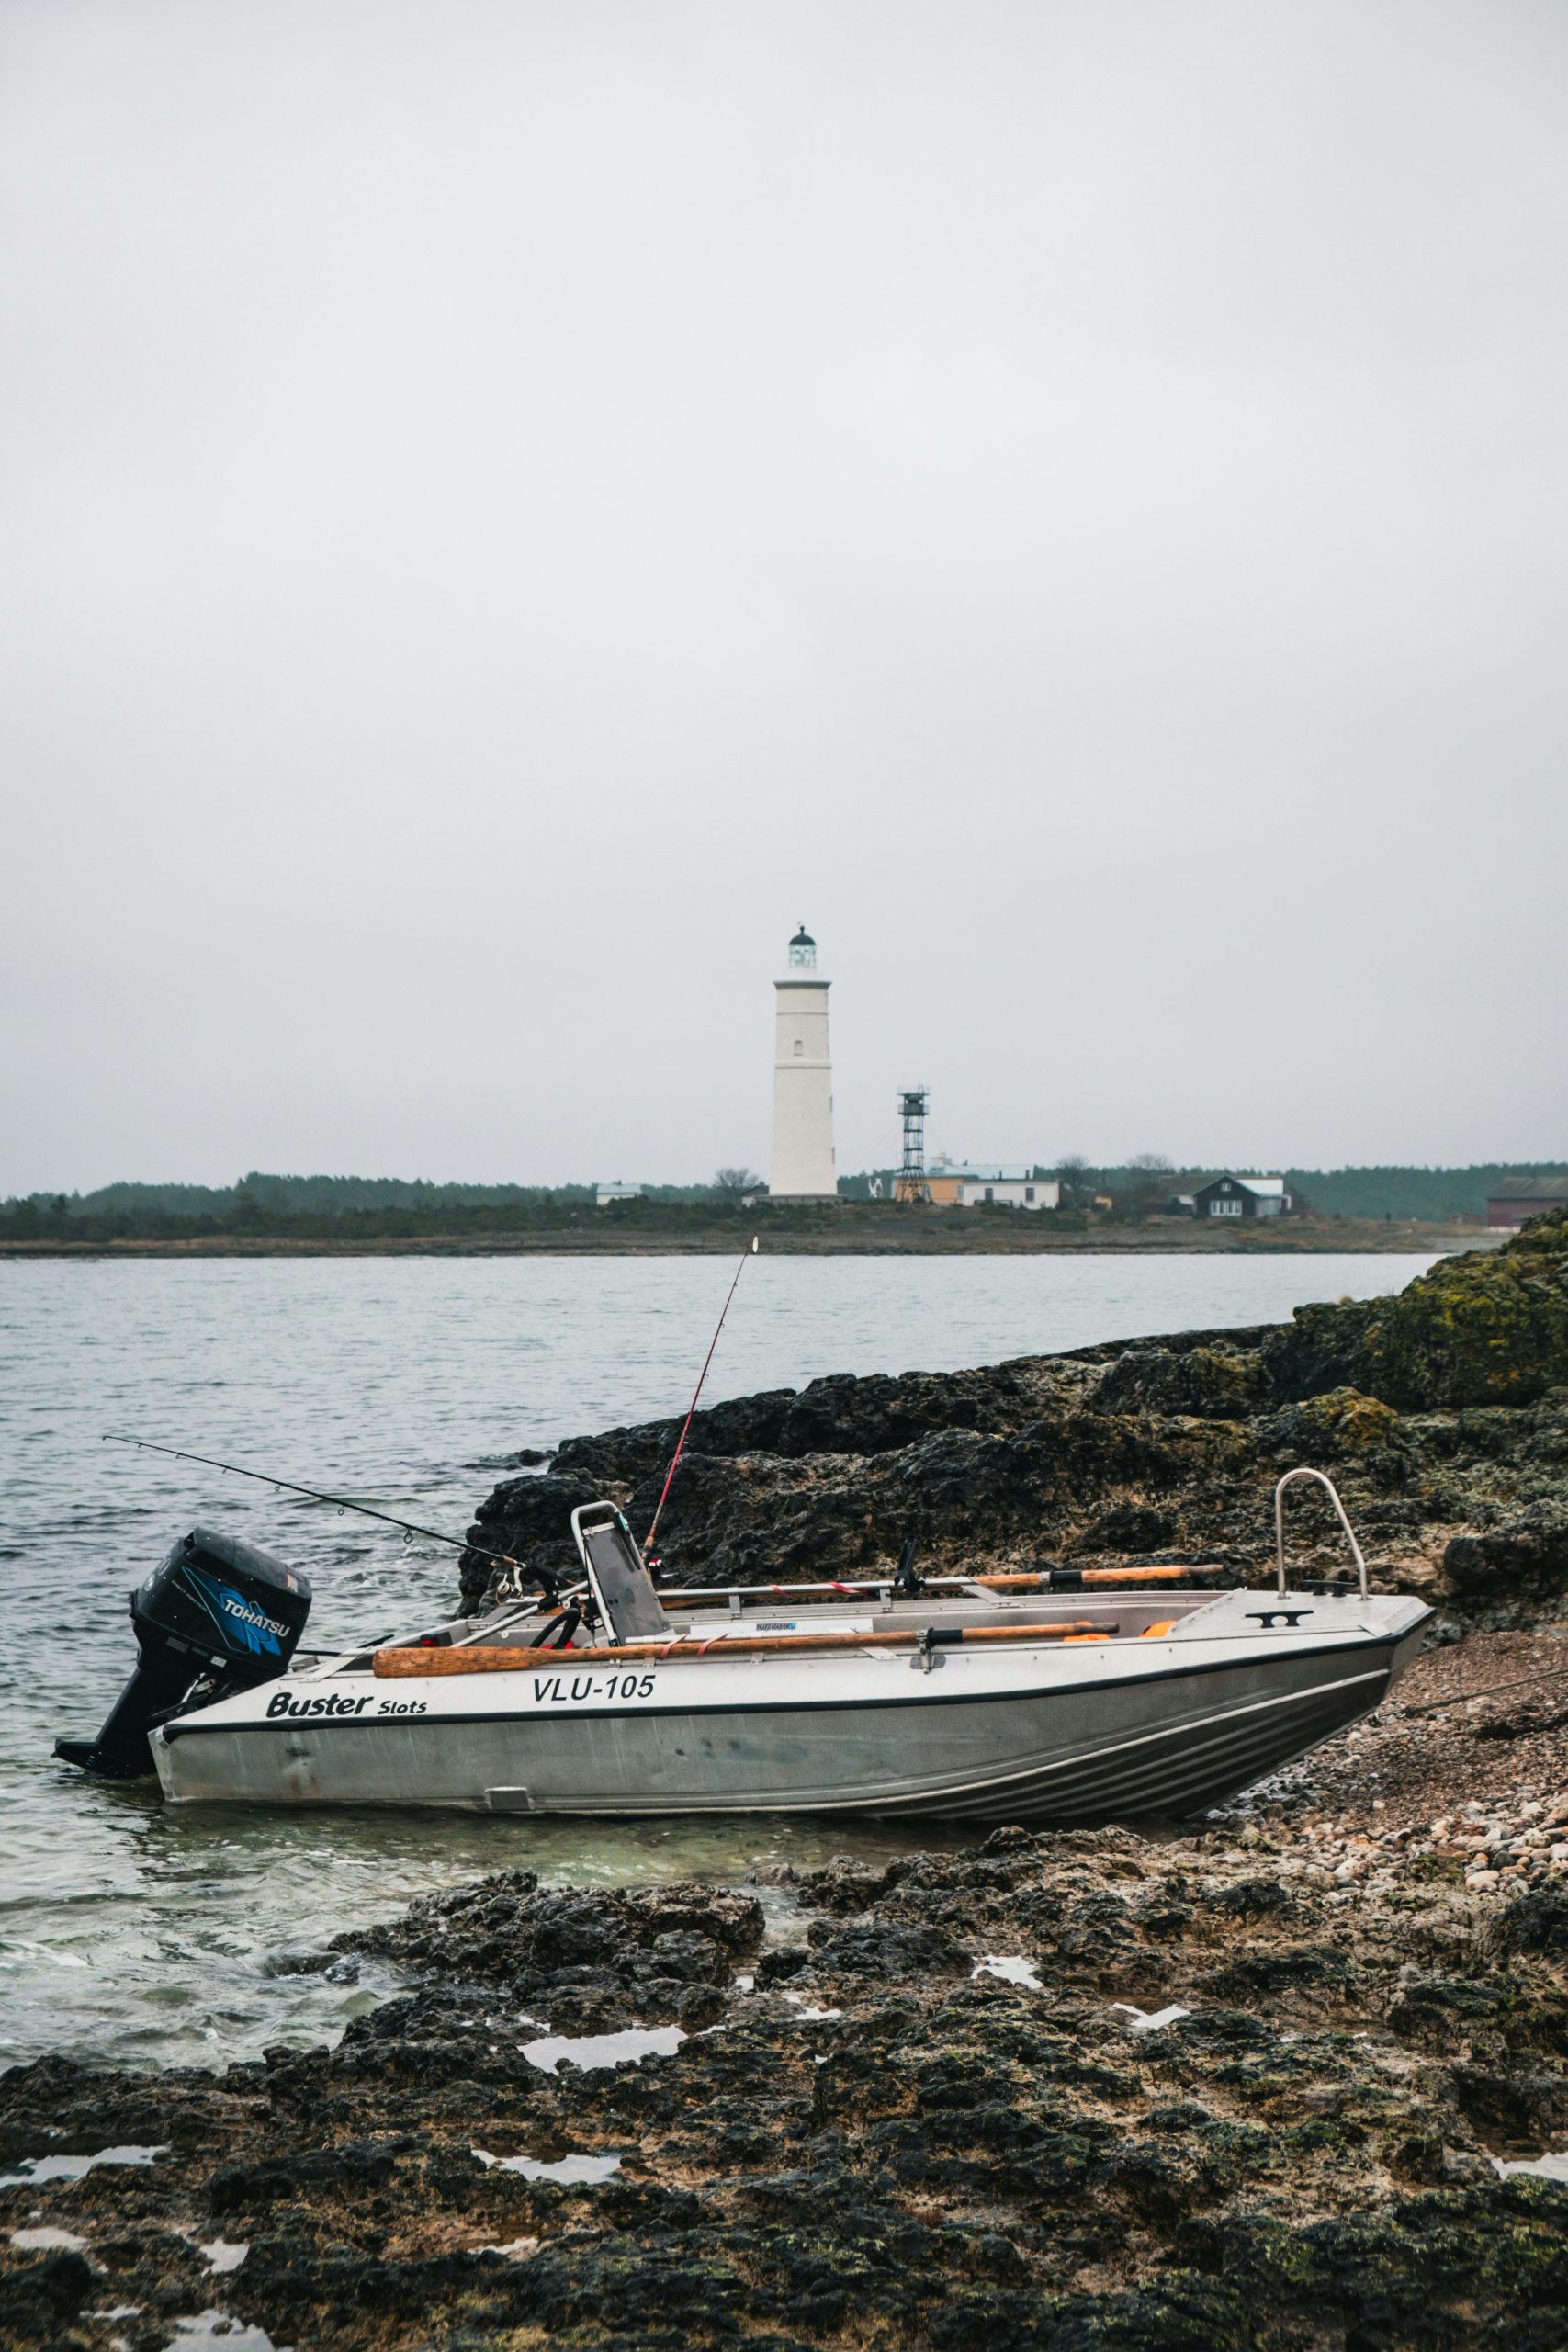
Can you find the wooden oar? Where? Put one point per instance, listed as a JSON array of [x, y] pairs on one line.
[[390, 1664]]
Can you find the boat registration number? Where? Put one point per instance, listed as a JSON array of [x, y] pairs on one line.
[[556, 1689]]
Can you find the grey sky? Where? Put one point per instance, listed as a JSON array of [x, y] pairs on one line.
[[507, 508]]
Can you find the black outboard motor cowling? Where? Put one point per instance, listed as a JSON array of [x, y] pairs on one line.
[[217, 1609]]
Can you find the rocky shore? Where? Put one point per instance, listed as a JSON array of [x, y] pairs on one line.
[[1441, 1414], [1292, 2077], [1267, 2083]]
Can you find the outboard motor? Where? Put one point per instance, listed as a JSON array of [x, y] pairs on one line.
[[216, 1610]]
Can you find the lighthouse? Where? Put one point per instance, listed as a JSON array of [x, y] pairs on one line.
[[803, 1166]]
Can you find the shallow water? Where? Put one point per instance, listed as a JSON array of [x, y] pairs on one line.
[[567, 2172], [145, 1936], [30, 2171], [1553, 2166]]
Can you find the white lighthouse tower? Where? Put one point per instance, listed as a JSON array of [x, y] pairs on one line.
[[803, 1166]]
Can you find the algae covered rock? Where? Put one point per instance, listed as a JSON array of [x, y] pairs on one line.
[[1341, 1425], [1490, 1328], [1219, 1382]]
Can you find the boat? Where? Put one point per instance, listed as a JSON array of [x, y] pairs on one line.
[[1047, 1696]]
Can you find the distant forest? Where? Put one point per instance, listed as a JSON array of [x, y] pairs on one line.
[[375, 1206]]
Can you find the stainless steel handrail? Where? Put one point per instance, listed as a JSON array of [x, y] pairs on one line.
[[1344, 1522]]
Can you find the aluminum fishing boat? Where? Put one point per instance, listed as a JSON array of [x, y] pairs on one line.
[[1051, 1696]]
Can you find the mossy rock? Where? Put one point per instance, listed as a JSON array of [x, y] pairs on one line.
[[1490, 1328], [1213, 1383], [1342, 1425]]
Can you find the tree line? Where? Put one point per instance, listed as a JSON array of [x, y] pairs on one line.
[[384, 1207]]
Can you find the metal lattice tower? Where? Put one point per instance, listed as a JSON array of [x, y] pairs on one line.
[[911, 1184]]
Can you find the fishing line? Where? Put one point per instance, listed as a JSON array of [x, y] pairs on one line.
[[286, 1486]]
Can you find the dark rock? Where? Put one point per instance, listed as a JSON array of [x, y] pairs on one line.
[[893, 1951], [1224, 1382], [1341, 1425], [598, 1950], [1129, 1528], [620, 1459], [1525, 1557], [527, 1519], [40, 2296], [351, 2167], [1535, 1924], [777, 1967], [1321, 1348]]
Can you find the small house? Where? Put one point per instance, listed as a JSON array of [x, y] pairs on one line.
[[995, 1187], [1518, 1198], [1243, 1196], [606, 1195]]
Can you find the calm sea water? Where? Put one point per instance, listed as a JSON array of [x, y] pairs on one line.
[[148, 1936]]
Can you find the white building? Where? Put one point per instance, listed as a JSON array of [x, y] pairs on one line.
[[991, 1187], [802, 1165], [606, 1195]]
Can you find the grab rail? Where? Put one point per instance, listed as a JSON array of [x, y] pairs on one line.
[[1344, 1522]]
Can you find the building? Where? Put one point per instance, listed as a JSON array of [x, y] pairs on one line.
[[606, 1195], [1243, 1196], [803, 1164], [990, 1187], [1518, 1198]]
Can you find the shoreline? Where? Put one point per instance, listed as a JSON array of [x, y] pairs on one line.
[[1359, 1238]]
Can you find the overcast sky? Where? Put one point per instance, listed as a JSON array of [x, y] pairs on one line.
[[508, 508]]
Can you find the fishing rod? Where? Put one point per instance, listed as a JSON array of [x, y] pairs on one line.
[[653, 1530], [286, 1486]]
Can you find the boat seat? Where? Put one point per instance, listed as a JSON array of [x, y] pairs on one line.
[[630, 1607]]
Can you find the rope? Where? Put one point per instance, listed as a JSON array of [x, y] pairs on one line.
[[1490, 1691]]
